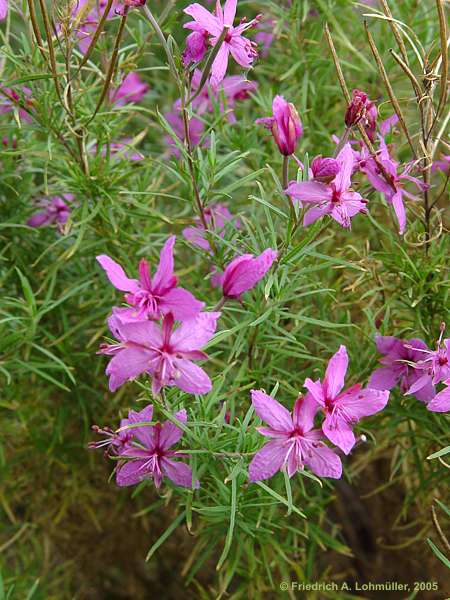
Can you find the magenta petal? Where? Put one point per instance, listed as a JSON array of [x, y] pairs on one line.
[[271, 411], [132, 472], [323, 461], [309, 191], [229, 12], [399, 208], [117, 275], [441, 402], [335, 374], [267, 461], [316, 390], [181, 303], [170, 433], [204, 18], [363, 403], [195, 333], [164, 278], [383, 378], [126, 365], [305, 409], [339, 432], [219, 66], [191, 378], [179, 473], [143, 433]]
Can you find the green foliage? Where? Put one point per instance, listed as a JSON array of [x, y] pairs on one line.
[[330, 286]]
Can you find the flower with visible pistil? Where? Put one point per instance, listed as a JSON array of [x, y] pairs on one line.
[[285, 125], [243, 273], [241, 49], [154, 296], [163, 353], [149, 456], [342, 410], [116, 441], [294, 442], [399, 362], [335, 198]]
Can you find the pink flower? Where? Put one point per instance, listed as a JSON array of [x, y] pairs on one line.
[[242, 50], [393, 191], [164, 354], [216, 215], [285, 125], [399, 362], [154, 296], [441, 402], [149, 456], [244, 272], [131, 90], [55, 211], [342, 410], [3, 9], [362, 109], [335, 198], [294, 442], [116, 441]]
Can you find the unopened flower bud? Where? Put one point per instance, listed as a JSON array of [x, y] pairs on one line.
[[324, 169]]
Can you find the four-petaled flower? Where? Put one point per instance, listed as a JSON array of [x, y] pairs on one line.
[[152, 297], [294, 442], [149, 455], [335, 198], [163, 353], [342, 410]]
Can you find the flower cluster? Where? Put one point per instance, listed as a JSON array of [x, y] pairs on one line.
[[295, 442], [416, 369]]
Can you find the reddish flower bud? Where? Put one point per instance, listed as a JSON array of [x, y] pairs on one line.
[[361, 109], [324, 169]]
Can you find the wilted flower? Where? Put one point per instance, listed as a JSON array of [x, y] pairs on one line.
[[242, 50], [154, 296], [294, 442], [343, 410], [244, 272], [131, 90], [363, 110], [55, 211], [335, 198], [216, 215], [400, 358], [285, 125], [148, 454], [163, 353]]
